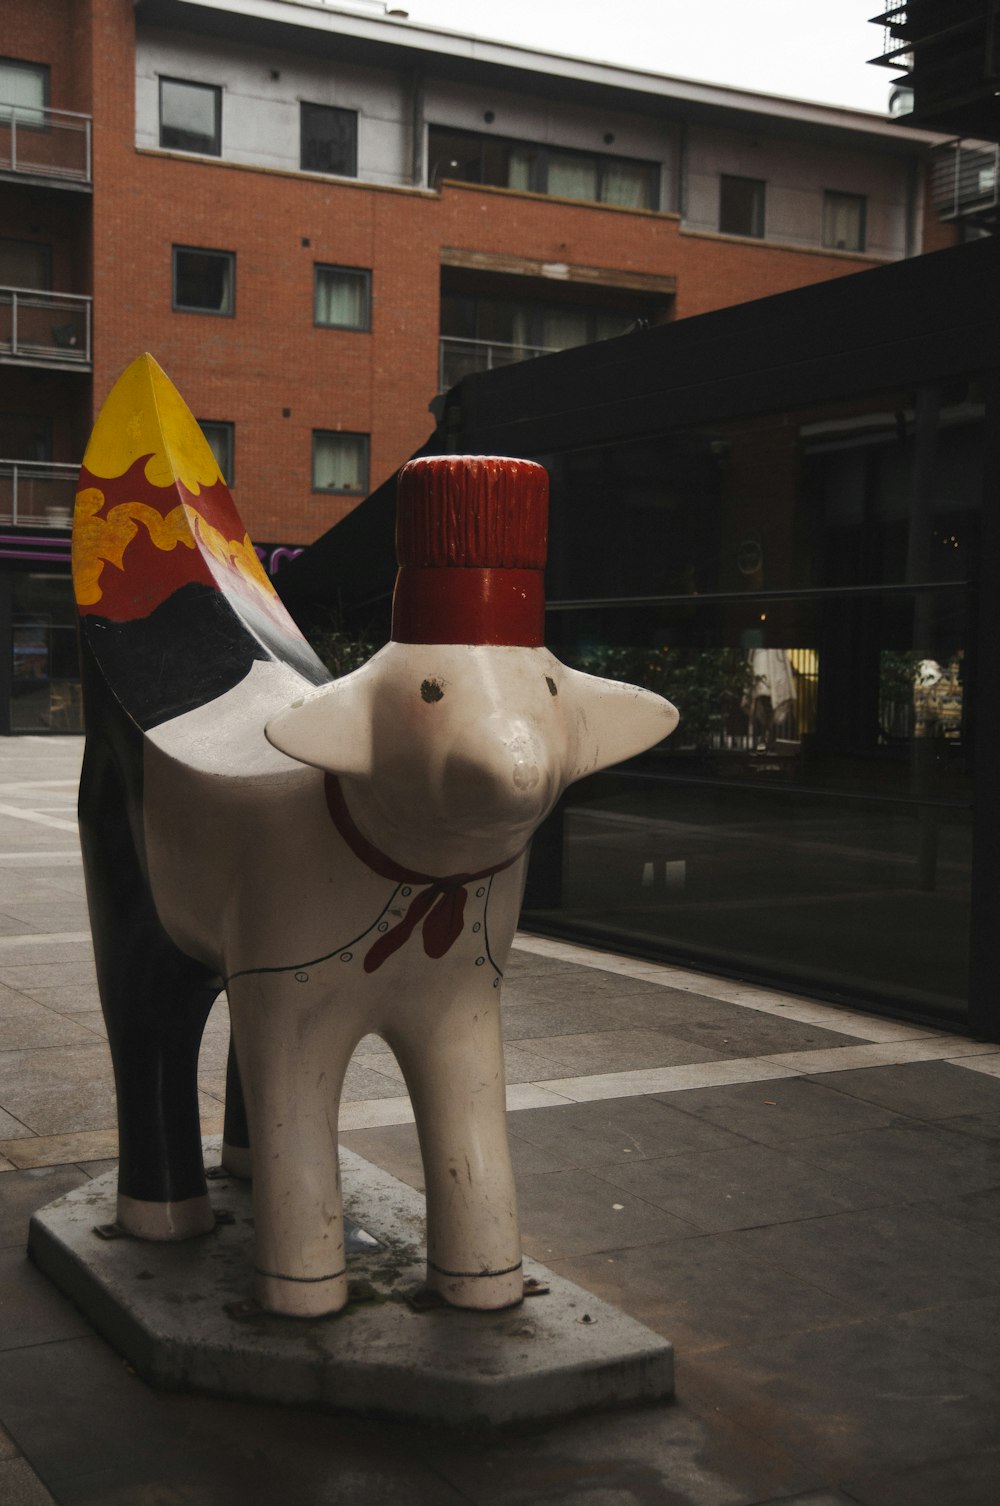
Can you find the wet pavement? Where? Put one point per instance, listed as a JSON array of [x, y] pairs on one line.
[[804, 1199]]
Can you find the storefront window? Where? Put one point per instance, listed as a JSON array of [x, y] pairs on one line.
[[801, 585], [45, 669]]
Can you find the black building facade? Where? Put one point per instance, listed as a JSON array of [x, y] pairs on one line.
[[783, 516]]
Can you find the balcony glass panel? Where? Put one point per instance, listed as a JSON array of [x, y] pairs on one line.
[[37, 494], [38, 327], [45, 144]]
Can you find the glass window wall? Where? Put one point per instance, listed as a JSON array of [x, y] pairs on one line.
[[800, 585]]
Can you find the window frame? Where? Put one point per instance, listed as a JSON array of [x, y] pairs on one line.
[[758, 228], [191, 83], [311, 104], [541, 154], [364, 273], [44, 72], [333, 491], [187, 308], [227, 428], [861, 199]]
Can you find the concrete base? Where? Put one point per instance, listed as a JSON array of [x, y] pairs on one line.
[[182, 1315]]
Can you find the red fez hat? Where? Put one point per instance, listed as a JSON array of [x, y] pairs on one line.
[[470, 541]]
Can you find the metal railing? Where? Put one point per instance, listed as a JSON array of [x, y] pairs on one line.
[[39, 326], [965, 179], [460, 358], [37, 493], [44, 143]]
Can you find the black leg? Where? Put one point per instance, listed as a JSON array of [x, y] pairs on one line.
[[155, 999]]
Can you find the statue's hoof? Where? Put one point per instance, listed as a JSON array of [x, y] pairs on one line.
[[162, 1221], [487, 1291], [236, 1160], [301, 1297]]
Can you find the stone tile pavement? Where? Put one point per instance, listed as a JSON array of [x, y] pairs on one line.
[[805, 1199]]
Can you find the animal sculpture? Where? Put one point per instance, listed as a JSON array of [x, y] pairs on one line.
[[342, 856]]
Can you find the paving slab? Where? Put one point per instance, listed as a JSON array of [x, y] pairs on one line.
[[169, 1309]]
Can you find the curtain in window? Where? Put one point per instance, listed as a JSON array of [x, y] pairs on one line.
[[340, 299], [340, 463], [24, 88], [627, 184], [220, 442], [521, 332], [519, 168], [572, 177], [562, 328], [844, 221]]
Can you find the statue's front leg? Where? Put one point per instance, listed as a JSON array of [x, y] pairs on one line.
[[293, 1045], [450, 1049]]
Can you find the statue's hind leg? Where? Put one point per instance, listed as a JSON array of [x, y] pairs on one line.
[[155, 1000]]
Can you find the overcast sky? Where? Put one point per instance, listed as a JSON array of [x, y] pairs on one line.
[[809, 49]]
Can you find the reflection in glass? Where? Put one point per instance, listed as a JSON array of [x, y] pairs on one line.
[[799, 584]]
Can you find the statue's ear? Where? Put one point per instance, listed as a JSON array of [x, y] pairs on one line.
[[330, 728], [612, 721]]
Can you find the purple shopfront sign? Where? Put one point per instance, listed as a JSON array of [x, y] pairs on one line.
[[35, 547], [273, 556]]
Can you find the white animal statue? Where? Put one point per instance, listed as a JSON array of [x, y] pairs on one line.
[[344, 857]]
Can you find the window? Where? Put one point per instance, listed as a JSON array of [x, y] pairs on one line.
[[528, 325], [329, 140], [190, 117], [342, 297], [482, 329], [220, 441], [204, 281], [844, 221], [741, 206], [25, 264], [593, 176], [340, 463], [25, 86]]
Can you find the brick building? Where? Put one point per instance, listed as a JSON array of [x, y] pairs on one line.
[[318, 216]]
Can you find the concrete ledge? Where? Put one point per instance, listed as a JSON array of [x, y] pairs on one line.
[[169, 1309]]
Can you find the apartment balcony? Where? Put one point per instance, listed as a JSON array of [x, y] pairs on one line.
[[950, 51], [39, 145], [44, 329], [460, 358], [965, 182], [37, 493]]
